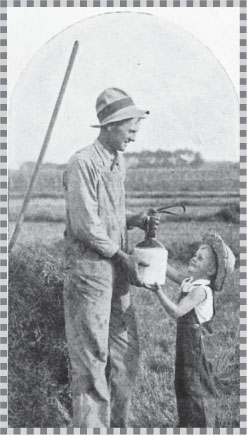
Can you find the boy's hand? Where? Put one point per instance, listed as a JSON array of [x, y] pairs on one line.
[[153, 287]]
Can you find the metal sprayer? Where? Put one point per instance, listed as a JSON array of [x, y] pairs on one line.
[[153, 252]]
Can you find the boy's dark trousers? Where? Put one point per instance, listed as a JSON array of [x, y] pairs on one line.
[[195, 390]]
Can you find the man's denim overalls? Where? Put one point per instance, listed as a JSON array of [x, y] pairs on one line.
[[100, 324]]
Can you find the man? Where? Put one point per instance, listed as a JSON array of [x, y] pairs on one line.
[[100, 324]]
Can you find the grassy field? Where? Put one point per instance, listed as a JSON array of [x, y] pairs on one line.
[[39, 392], [39, 387], [223, 177], [202, 208]]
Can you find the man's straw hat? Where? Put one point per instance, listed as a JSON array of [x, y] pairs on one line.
[[114, 105], [225, 258]]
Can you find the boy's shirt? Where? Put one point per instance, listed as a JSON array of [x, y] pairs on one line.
[[205, 309]]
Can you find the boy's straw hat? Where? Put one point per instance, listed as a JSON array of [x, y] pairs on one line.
[[225, 258], [114, 105]]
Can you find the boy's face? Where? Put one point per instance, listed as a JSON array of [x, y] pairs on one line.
[[203, 264]]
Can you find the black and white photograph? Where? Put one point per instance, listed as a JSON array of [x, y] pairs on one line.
[[123, 217]]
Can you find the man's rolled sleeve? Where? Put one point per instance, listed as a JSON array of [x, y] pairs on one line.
[[83, 209]]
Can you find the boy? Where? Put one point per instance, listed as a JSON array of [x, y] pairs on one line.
[[194, 386]]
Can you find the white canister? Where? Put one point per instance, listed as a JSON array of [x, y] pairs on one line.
[[157, 260]]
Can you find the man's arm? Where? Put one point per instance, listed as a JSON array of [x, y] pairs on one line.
[[139, 220], [133, 220]]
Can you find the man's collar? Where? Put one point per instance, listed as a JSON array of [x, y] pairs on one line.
[[106, 155]]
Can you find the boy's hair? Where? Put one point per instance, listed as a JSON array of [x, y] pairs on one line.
[[214, 275]]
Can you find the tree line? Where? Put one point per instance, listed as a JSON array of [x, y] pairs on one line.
[[143, 159]]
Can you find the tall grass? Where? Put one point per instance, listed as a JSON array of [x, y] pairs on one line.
[[38, 373]]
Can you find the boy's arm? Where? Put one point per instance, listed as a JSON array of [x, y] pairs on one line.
[[174, 275], [185, 305]]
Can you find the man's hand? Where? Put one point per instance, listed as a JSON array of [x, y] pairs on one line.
[[129, 265], [139, 220]]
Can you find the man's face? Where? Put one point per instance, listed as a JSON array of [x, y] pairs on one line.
[[203, 264], [123, 133]]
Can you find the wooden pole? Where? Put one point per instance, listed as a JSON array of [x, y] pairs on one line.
[[44, 145]]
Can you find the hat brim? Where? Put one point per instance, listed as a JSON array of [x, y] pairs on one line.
[[125, 113], [225, 258]]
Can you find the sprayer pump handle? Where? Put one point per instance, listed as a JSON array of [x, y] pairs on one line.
[[165, 209]]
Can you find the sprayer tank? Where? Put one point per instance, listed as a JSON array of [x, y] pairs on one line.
[[155, 254]]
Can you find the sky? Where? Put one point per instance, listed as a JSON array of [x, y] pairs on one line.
[[29, 29]]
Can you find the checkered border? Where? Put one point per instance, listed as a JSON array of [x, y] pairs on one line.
[[3, 213], [3, 218], [243, 219], [124, 3]]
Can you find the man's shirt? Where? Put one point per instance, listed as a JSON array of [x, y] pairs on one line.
[[95, 202]]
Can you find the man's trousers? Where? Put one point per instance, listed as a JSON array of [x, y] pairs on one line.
[[102, 342]]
